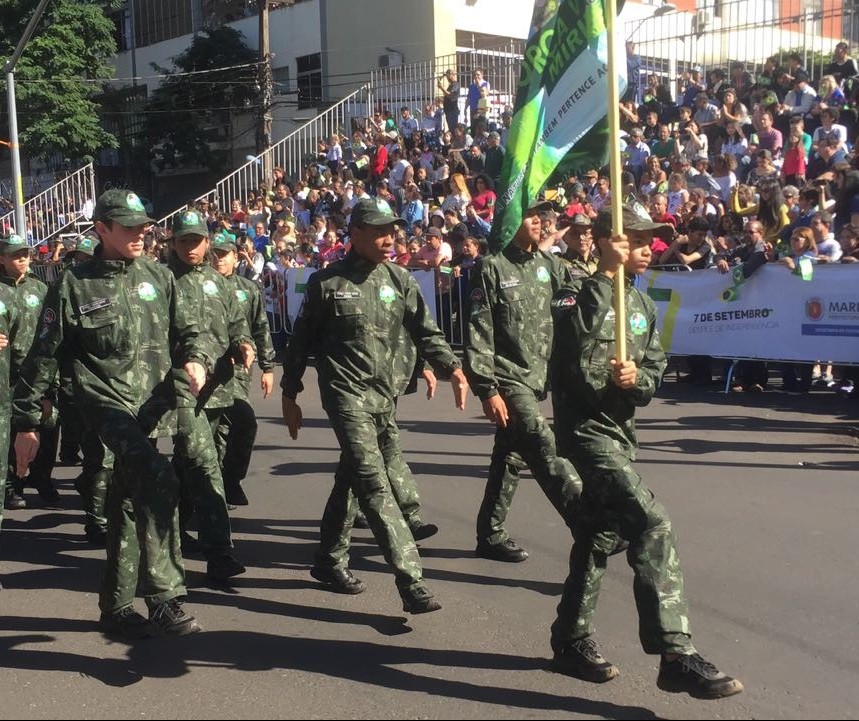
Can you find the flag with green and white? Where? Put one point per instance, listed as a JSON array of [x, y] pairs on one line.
[[561, 106]]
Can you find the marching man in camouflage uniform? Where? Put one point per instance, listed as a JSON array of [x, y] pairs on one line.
[[30, 294], [211, 301], [506, 360], [117, 318], [237, 429], [595, 398], [351, 321], [97, 462], [403, 484]]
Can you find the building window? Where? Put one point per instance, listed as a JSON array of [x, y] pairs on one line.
[[280, 78], [309, 80], [813, 13]]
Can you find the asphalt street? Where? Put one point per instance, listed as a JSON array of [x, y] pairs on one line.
[[761, 489]]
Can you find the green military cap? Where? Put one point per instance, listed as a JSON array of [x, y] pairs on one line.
[[538, 205], [12, 244], [190, 222], [373, 211], [224, 241], [634, 218], [86, 244], [121, 206]]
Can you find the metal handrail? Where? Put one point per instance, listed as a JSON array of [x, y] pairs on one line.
[[289, 153], [415, 84], [292, 152], [65, 203]]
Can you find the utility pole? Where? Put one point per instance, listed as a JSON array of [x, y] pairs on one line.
[[266, 86], [17, 180]]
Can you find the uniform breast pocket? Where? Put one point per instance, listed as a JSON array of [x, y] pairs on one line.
[[349, 320], [104, 335], [602, 351], [512, 310]]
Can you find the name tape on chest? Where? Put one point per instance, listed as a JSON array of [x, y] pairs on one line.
[[347, 295], [512, 283], [93, 305]]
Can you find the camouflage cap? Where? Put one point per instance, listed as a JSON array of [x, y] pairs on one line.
[[370, 211], [224, 241], [86, 245], [538, 205], [634, 218], [123, 207], [579, 220], [11, 244], [190, 222]]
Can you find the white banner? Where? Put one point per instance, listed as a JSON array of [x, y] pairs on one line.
[[296, 283], [773, 315]]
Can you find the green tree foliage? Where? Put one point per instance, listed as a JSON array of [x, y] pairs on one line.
[[57, 107], [189, 116]]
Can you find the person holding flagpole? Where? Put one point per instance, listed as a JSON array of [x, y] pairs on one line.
[[594, 397]]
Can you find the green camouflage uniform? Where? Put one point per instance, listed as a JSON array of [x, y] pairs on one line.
[[595, 421], [75, 433], [403, 484], [206, 295], [509, 344], [579, 268], [117, 321], [9, 318], [30, 295], [351, 322], [238, 425]]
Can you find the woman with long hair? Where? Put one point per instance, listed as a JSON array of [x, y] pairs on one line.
[[657, 175], [770, 210], [723, 173], [484, 197], [764, 169], [459, 196], [737, 144]]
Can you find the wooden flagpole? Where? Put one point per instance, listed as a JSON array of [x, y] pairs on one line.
[[614, 62]]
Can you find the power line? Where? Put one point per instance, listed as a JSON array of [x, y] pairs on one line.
[[139, 77]]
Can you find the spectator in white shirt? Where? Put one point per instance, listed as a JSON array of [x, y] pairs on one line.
[[829, 129], [334, 153], [800, 100]]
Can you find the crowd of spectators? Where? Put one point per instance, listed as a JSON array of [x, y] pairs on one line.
[[747, 170]]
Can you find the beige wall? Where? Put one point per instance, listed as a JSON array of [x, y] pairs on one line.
[[356, 33]]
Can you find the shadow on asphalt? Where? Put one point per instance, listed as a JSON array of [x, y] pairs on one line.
[[373, 664]]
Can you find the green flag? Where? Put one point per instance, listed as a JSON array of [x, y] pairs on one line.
[[561, 106]]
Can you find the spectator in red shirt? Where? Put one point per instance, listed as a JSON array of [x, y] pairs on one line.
[[664, 237], [484, 198], [402, 256], [380, 159], [331, 249]]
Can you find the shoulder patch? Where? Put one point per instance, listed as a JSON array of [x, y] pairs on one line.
[[477, 296], [565, 301]]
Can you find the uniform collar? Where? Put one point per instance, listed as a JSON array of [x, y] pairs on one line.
[[515, 254], [356, 261], [181, 268], [8, 280]]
